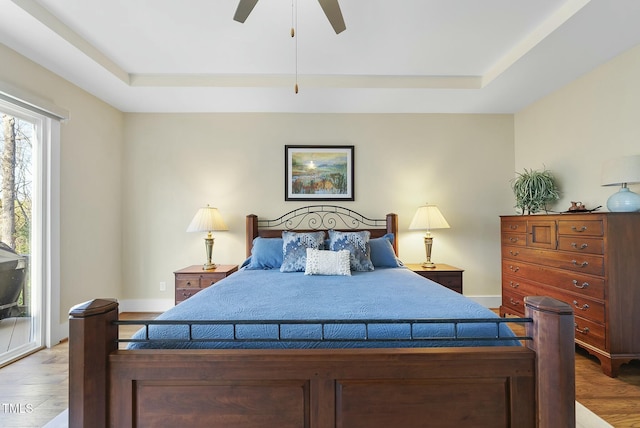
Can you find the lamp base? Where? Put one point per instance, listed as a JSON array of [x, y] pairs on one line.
[[209, 266], [624, 201], [429, 265]]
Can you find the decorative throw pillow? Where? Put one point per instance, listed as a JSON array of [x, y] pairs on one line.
[[266, 253], [382, 252], [294, 249], [358, 245], [321, 262]]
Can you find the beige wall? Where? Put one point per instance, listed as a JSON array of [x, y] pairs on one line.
[[175, 163], [90, 182], [573, 130]]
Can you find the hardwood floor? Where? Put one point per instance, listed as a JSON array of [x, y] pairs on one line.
[[35, 389]]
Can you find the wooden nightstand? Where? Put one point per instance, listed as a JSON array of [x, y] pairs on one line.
[[449, 276], [192, 279]]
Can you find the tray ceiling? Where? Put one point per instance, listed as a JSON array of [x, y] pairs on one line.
[[445, 56]]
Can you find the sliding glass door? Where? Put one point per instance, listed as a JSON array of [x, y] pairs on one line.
[[21, 224]]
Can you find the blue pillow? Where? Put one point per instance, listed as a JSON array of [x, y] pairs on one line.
[[358, 245], [294, 249], [382, 252], [266, 253]]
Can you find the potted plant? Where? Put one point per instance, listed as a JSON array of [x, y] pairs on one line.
[[534, 190]]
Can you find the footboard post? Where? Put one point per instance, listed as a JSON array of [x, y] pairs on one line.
[[553, 333], [92, 337]]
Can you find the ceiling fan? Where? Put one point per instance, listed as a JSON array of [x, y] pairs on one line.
[[331, 8]]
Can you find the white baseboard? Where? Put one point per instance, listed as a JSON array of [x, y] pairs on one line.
[[487, 301], [145, 305]]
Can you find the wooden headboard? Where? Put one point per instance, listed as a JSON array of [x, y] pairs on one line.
[[320, 217]]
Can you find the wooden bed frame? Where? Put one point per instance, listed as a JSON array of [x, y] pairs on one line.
[[528, 386]]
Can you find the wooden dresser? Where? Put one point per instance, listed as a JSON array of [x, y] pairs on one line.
[[589, 260]]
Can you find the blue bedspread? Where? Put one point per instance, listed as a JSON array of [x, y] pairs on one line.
[[386, 293]]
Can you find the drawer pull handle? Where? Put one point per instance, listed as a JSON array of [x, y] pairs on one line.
[[514, 253], [582, 229], [583, 264], [514, 268], [579, 330], [513, 302], [188, 283], [582, 247], [514, 284], [581, 286], [513, 226], [186, 294], [582, 308], [512, 239]]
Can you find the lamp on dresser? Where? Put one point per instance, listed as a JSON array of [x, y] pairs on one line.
[[620, 172], [426, 218], [207, 219]]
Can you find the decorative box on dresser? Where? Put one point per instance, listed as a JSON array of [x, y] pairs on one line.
[[588, 260], [193, 279]]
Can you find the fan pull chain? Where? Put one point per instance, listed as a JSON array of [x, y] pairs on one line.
[[294, 27]]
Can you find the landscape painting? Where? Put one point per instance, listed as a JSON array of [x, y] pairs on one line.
[[319, 173]]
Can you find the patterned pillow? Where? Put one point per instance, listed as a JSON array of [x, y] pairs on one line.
[[358, 245], [321, 262], [294, 249]]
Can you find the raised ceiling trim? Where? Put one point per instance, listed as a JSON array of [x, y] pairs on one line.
[[60, 28], [320, 81], [552, 23]]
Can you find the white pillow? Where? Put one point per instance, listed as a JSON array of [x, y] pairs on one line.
[[327, 262]]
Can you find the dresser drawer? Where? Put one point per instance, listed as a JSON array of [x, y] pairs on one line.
[[581, 244], [512, 302], [590, 332], [188, 281], [584, 263], [580, 284], [513, 226], [520, 285], [581, 227], [518, 239], [583, 307]]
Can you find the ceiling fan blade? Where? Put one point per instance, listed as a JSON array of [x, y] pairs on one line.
[[331, 8], [244, 9]]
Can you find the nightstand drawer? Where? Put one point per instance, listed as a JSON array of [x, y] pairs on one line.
[[452, 281], [449, 276], [188, 281], [185, 293]]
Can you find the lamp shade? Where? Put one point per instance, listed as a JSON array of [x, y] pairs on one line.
[[621, 170], [428, 217], [207, 219]]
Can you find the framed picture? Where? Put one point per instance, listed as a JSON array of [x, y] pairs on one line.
[[318, 173]]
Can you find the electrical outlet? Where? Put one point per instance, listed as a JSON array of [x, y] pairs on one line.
[[163, 286]]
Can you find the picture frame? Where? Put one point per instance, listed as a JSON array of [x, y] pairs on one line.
[[318, 173]]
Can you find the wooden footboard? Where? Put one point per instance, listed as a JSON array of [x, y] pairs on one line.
[[446, 387]]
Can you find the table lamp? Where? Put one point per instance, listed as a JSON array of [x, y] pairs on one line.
[[426, 218], [207, 219], [620, 172]]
